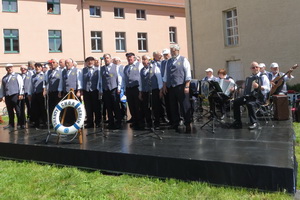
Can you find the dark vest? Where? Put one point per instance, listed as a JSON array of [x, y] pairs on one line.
[[132, 76], [109, 78], [148, 79], [90, 81], [175, 72], [11, 86], [53, 81], [71, 80], [163, 67], [37, 82], [26, 80]]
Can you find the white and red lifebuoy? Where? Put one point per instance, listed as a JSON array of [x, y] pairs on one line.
[[58, 127]]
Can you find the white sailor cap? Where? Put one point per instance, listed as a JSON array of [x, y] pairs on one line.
[[209, 70], [165, 51], [261, 65], [9, 65], [274, 65]]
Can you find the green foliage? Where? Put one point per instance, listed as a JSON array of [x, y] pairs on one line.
[[295, 87]]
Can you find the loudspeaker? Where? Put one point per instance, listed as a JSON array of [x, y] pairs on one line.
[[281, 107]]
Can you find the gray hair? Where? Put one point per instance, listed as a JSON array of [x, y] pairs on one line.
[[116, 58], [146, 56], [156, 53], [175, 46]]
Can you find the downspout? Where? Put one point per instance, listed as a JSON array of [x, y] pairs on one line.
[[192, 39], [83, 30]]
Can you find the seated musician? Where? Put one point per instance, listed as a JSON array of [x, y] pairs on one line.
[[209, 77], [257, 86], [274, 75], [227, 85]]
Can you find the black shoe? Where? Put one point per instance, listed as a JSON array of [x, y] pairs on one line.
[[236, 125], [188, 128], [98, 126], [118, 126], [89, 126], [106, 121], [253, 126], [222, 117], [129, 121], [165, 120]]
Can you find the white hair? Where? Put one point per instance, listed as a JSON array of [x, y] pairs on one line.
[[116, 58], [175, 46]]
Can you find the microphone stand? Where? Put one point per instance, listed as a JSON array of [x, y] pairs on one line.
[[152, 131]]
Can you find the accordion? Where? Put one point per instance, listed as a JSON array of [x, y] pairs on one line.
[[226, 85]]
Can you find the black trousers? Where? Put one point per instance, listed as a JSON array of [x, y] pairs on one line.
[[251, 104], [38, 109], [92, 106], [154, 103], [26, 102], [177, 97], [133, 100], [12, 103], [53, 101], [111, 100]]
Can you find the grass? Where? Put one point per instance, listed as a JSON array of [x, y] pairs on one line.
[[28, 180]]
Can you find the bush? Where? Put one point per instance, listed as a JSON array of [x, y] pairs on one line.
[[295, 87]]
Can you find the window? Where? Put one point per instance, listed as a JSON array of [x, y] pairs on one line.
[[55, 42], [140, 14], [96, 39], [142, 42], [173, 35], [11, 40], [95, 11], [53, 7], [172, 17], [119, 12], [231, 28], [120, 41], [9, 6]]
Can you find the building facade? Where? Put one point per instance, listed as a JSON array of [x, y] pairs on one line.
[[231, 34], [42, 29]]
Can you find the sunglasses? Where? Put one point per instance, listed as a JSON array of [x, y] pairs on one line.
[[254, 67]]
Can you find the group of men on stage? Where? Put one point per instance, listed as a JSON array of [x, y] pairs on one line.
[[157, 88]]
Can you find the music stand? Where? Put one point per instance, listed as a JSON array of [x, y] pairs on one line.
[[215, 90]]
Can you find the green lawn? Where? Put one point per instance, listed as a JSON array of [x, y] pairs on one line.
[[26, 180]]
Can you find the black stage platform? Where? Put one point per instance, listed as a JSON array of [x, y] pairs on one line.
[[262, 158]]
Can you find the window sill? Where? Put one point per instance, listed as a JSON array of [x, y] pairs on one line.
[[119, 17], [97, 51], [10, 11], [55, 51], [142, 19], [95, 16], [120, 51], [11, 52]]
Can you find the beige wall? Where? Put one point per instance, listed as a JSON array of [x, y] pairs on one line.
[[268, 31], [156, 26]]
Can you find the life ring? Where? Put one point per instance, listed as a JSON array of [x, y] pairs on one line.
[[58, 127]]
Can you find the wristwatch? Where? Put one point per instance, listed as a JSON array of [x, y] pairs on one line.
[[186, 87]]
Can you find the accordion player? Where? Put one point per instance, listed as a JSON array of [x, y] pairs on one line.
[[257, 86]]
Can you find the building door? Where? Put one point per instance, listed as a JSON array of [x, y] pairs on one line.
[[235, 70]]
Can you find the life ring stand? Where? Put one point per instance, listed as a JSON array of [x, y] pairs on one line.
[[63, 130]]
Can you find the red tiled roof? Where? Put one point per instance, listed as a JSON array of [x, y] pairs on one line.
[[172, 3]]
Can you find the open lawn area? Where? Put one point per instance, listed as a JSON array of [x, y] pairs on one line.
[[27, 180]]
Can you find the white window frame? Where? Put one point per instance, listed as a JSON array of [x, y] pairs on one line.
[[140, 13], [231, 28], [173, 34], [96, 38], [120, 38], [95, 9], [119, 13], [142, 42]]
